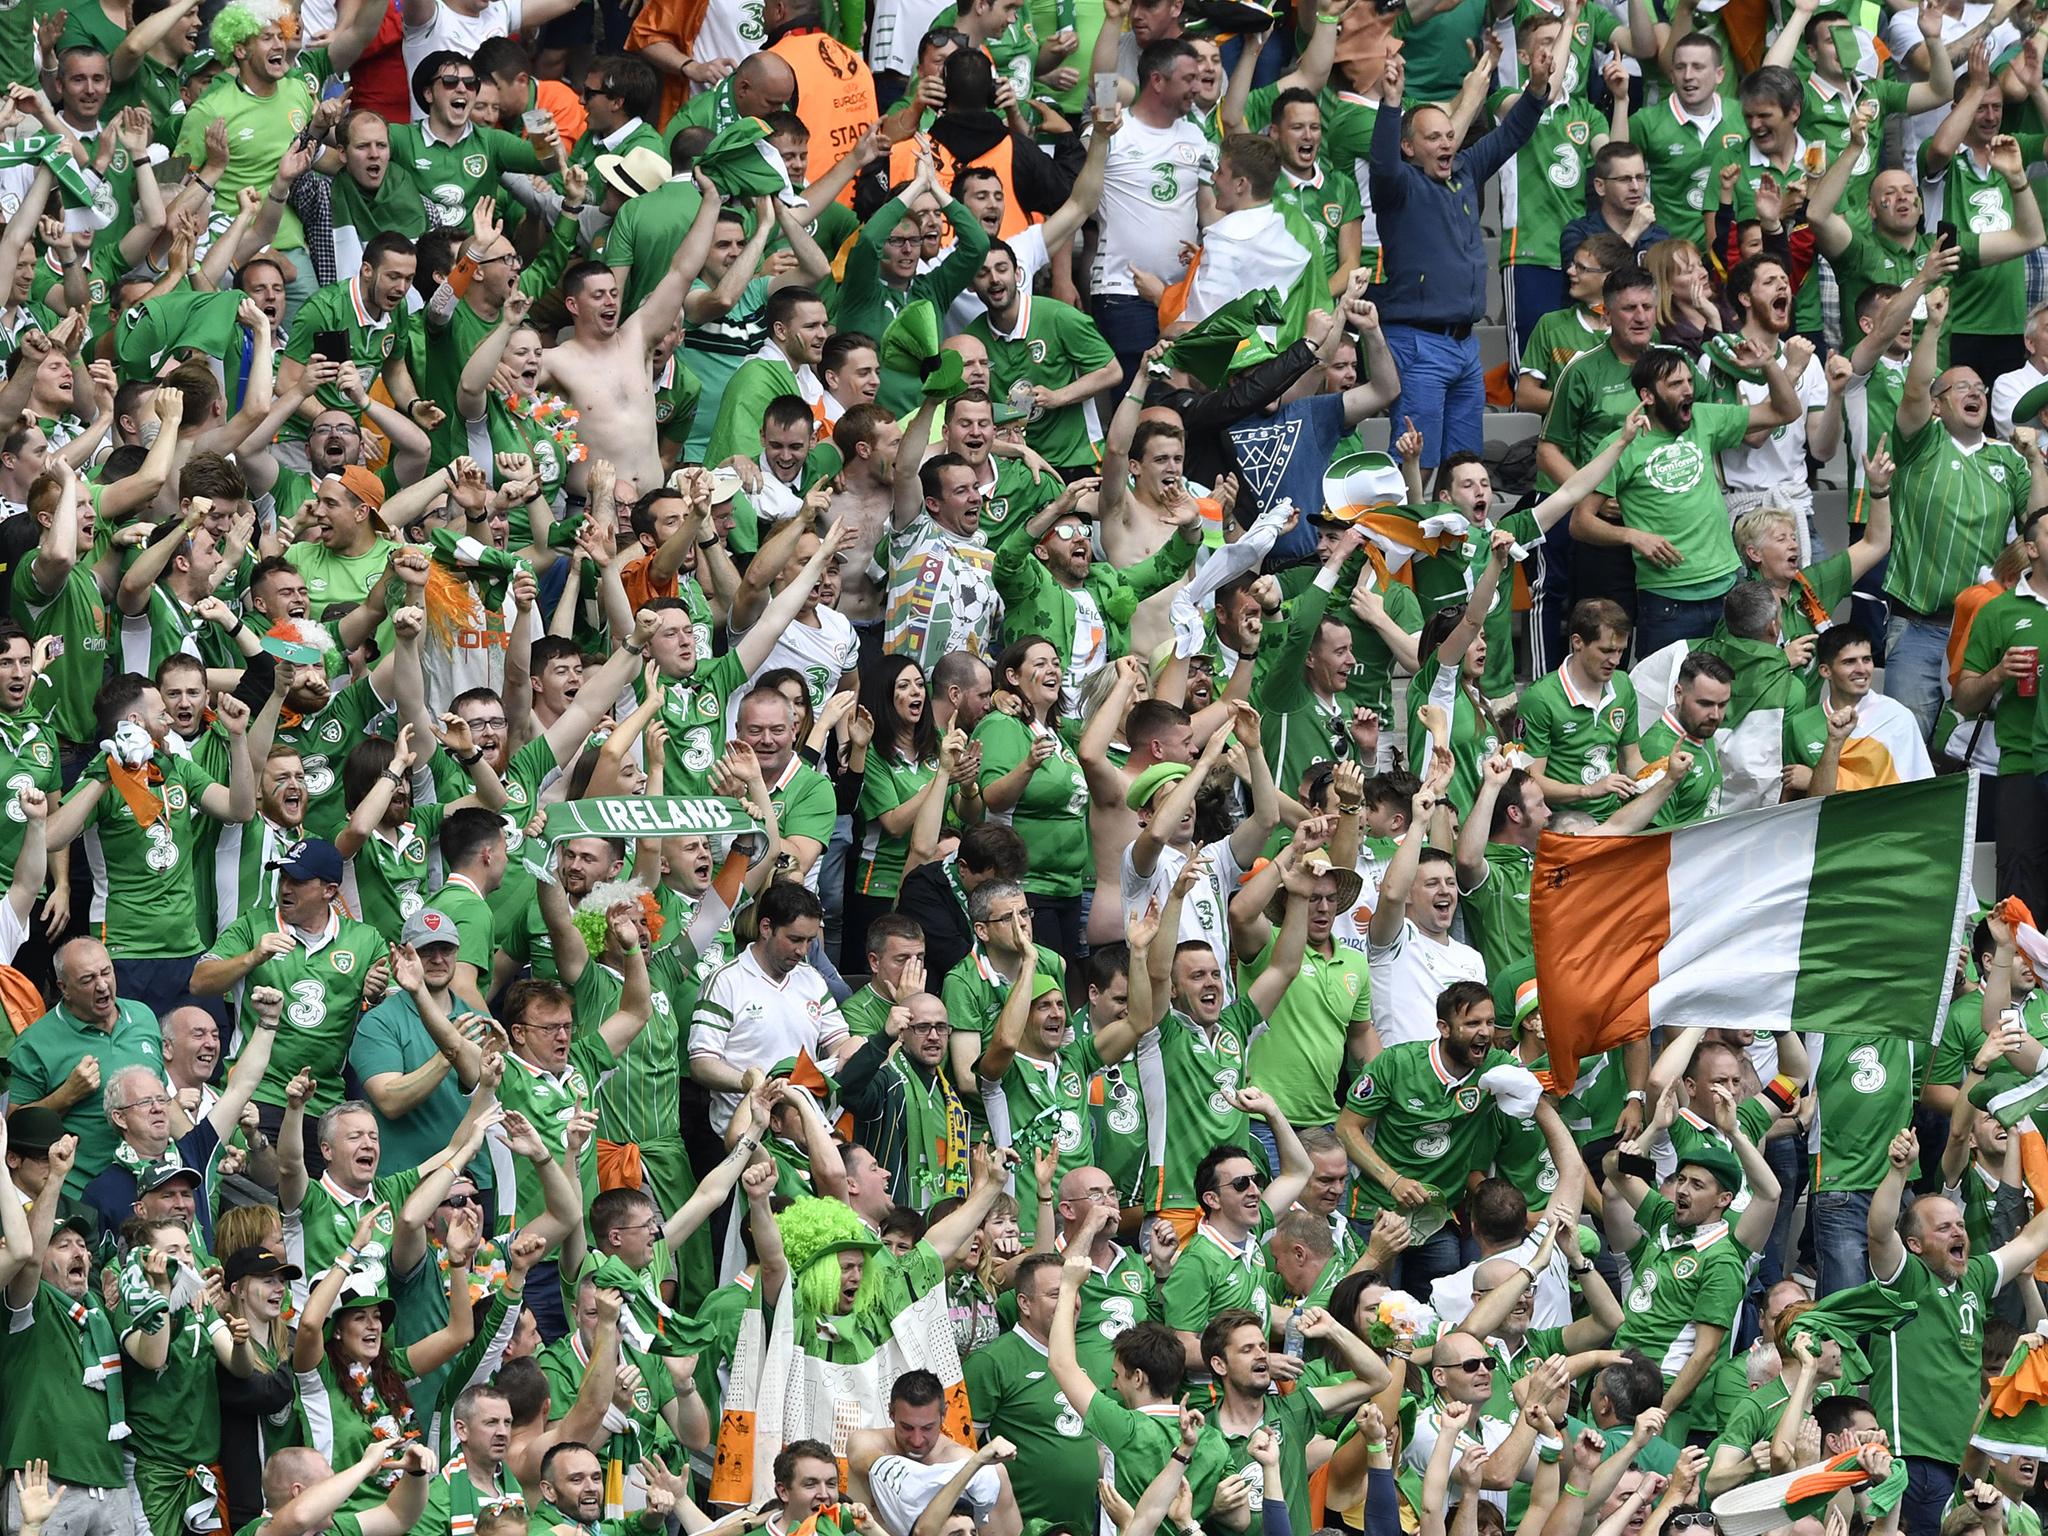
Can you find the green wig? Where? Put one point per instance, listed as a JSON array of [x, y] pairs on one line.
[[239, 22], [814, 1233]]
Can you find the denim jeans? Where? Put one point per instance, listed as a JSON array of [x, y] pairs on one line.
[[1443, 390], [1443, 1253], [1787, 1157], [1841, 1237], [1128, 324], [1916, 665], [1661, 620], [1930, 1484], [1533, 292]]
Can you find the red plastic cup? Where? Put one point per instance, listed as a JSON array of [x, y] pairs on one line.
[[2028, 660]]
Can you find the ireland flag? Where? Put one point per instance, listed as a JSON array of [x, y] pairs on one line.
[[1840, 915]]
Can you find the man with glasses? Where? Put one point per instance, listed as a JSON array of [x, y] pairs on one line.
[[368, 311], [1955, 495], [905, 1109], [1122, 1286], [1462, 1368], [1223, 1266], [139, 1108], [456, 161], [622, 96], [500, 292], [1052, 585], [1621, 182]]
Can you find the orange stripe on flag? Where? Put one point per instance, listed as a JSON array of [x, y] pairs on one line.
[[1601, 915], [1175, 299]]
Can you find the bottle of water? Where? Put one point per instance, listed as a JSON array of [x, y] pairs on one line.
[[1293, 1342]]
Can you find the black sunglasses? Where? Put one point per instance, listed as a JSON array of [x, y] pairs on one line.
[[1470, 1367], [1243, 1182], [457, 82]]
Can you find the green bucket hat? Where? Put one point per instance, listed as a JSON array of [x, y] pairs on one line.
[[1151, 781]]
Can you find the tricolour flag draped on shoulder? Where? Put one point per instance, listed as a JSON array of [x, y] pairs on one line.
[[1260, 247], [1840, 915], [1751, 740]]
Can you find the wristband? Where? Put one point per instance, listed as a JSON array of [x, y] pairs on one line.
[[1329, 21], [476, 756], [1181, 1457], [394, 775], [1636, 1096], [1573, 1493], [1375, 1447]]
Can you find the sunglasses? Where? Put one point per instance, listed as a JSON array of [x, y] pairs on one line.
[[1241, 1183], [1470, 1367], [457, 82], [1069, 530], [1691, 1519], [461, 1200]]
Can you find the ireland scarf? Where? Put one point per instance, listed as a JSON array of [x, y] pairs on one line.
[[491, 569], [102, 1361], [1839, 915], [644, 816], [88, 203], [647, 1324]]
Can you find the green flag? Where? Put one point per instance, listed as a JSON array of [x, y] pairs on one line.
[[171, 322]]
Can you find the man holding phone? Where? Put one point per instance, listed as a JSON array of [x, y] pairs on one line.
[[363, 322]]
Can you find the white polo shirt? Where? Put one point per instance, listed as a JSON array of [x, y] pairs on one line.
[[747, 1019]]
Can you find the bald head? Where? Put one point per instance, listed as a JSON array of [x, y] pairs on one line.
[[763, 83]]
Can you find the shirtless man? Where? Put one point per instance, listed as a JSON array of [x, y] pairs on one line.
[[1142, 493], [867, 439], [604, 369], [899, 1471]]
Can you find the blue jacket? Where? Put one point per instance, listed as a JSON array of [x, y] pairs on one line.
[[1431, 251]]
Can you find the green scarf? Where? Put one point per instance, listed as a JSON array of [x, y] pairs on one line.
[[49, 150], [935, 1136], [103, 1360], [492, 569]]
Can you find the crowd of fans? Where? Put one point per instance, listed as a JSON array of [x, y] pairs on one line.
[[770, 762]]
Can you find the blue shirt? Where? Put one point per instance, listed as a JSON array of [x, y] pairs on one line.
[[1431, 252], [1283, 456]]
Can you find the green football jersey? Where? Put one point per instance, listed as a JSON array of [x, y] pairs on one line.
[[1681, 150], [28, 760], [1497, 909], [1192, 1088], [1427, 1123], [46, 1413], [1953, 511], [76, 613], [373, 340], [1684, 1277], [323, 998], [324, 741], [1011, 1389], [1935, 1356], [1986, 301], [1698, 797], [1542, 188], [1666, 485], [1579, 737], [145, 887], [329, 1216], [1866, 1090]]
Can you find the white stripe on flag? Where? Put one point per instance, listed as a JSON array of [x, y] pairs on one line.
[[1736, 896]]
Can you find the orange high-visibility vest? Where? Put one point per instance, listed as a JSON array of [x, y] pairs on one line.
[[998, 158], [835, 95]]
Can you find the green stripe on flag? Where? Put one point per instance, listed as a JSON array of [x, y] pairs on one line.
[[1886, 899]]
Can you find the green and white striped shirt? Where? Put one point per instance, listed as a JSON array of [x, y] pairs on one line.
[[1954, 508]]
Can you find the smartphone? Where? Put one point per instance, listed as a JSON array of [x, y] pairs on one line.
[[332, 345], [1945, 234], [56, 646], [1105, 92]]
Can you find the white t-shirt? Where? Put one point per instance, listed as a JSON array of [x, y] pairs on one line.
[[1779, 459], [904, 1488], [1148, 202], [1408, 974], [464, 34], [899, 26], [1205, 915], [748, 1020], [1451, 1296], [2006, 393], [732, 29], [1492, 1433], [820, 655], [1027, 245]]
